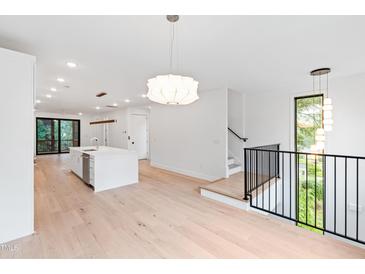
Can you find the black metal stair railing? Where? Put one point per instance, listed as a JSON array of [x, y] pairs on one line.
[[260, 174], [324, 192]]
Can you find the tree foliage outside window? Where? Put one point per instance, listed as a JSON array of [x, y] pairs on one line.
[[48, 131], [310, 202]]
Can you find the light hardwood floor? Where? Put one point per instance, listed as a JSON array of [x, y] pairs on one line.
[[161, 217]]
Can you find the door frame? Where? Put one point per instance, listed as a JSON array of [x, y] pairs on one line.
[[296, 148], [295, 114], [59, 134]]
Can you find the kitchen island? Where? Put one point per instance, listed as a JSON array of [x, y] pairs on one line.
[[104, 167]]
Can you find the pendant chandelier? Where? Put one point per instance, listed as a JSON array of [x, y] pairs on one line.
[[172, 89], [327, 109]]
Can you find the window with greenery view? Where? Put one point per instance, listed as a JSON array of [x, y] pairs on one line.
[[56, 135], [310, 200]]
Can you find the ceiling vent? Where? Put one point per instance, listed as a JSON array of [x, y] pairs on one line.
[[110, 106], [101, 94]]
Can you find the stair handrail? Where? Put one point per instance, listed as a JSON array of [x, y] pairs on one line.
[[239, 137]]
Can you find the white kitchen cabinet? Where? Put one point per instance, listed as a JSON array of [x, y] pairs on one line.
[[76, 162], [105, 168]]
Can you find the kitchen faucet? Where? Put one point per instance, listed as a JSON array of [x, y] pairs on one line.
[[96, 141]]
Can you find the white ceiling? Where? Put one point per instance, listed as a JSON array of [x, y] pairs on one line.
[[117, 54]]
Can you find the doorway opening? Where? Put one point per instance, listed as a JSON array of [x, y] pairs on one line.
[[56, 135], [308, 118]]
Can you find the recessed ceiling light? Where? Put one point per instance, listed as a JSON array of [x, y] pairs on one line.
[[115, 104], [71, 64], [97, 107], [127, 100], [38, 101], [144, 95], [80, 113], [48, 95], [53, 89], [61, 80]]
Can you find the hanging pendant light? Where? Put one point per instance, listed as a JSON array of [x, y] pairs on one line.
[[320, 139], [172, 89], [327, 111], [327, 102]]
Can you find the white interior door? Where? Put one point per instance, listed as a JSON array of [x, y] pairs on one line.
[[138, 135]]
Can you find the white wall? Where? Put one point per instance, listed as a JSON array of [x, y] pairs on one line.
[[236, 121], [16, 145], [118, 136], [268, 120], [348, 97], [191, 139]]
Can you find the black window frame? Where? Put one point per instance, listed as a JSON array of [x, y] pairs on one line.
[[295, 115], [59, 134]]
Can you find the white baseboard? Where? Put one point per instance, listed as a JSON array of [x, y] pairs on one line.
[[15, 237], [186, 172], [330, 235]]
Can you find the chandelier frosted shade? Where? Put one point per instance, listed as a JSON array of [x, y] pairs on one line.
[[320, 139], [172, 90], [327, 114]]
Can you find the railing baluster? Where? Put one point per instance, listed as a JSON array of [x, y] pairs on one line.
[[345, 196], [324, 192], [335, 188], [357, 199], [257, 187], [250, 169], [282, 182], [245, 175], [256, 175], [315, 190], [290, 182], [306, 189], [297, 188], [276, 182], [263, 192], [269, 180]]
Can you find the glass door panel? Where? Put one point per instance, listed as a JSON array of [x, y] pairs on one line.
[[56, 135], [69, 131], [47, 136]]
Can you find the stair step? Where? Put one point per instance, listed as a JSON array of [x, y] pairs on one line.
[[234, 168], [231, 166], [230, 160]]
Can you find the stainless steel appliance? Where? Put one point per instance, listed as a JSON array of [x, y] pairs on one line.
[[86, 168]]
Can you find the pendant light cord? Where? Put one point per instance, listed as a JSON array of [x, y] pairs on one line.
[[172, 45], [320, 86]]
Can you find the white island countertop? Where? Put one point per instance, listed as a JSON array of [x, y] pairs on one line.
[[106, 167], [102, 150]]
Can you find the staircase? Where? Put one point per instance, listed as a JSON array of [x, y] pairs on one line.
[[233, 166]]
